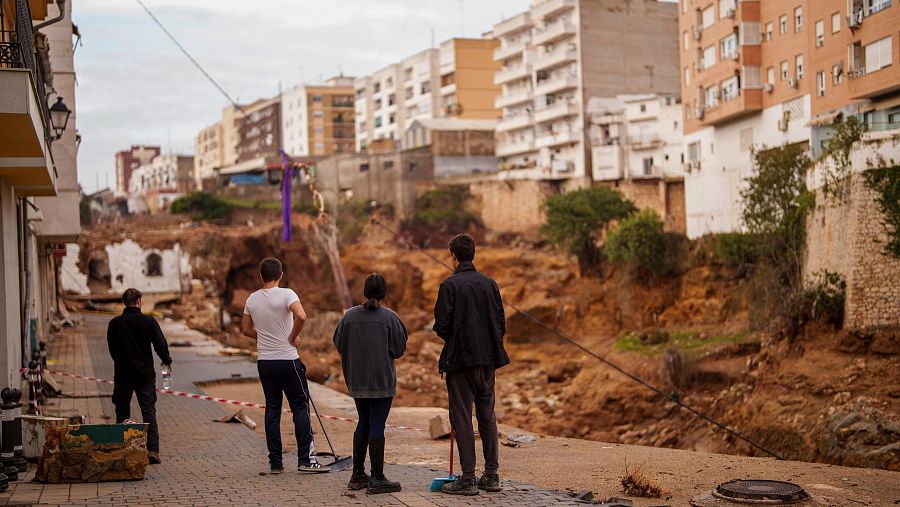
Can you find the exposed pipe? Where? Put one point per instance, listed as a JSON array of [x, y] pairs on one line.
[[62, 14]]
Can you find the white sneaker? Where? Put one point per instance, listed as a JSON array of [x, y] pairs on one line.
[[313, 468]]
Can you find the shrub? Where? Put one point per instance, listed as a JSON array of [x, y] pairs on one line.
[[639, 243], [201, 206], [444, 208], [575, 220], [886, 183], [737, 250], [825, 298], [306, 207]]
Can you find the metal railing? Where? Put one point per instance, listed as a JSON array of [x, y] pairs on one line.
[[17, 51]]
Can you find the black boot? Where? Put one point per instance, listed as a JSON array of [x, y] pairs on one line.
[[359, 479], [378, 483]]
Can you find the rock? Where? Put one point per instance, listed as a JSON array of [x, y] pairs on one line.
[[93, 453], [439, 426], [886, 343]]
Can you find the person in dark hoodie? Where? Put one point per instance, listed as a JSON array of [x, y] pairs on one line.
[[369, 338], [132, 337], [469, 317]]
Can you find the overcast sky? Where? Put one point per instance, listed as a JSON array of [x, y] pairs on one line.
[[135, 87]]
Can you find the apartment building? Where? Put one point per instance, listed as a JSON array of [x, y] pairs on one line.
[[162, 180], [317, 120], [209, 153], [452, 81], [129, 160], [768, 72], [38, 171], [557, 56]]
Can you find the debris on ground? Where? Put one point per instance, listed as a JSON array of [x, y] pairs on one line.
[[616, 502], [636, 483], [238, 417], [517, 439], [181, 343], [439, 426]]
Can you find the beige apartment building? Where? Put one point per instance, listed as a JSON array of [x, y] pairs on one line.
[[317, 120], [451, 81], [770, 72], [558, 55], [209, 153]]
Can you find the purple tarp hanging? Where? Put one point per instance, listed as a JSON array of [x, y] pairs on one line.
[[286, 198]]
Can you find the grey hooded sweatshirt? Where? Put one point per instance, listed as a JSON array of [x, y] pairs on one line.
[[369, 341]]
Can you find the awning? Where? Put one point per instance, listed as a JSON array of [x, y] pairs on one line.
[[823, 119]]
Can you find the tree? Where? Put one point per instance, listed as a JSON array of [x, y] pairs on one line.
[[575, 220]]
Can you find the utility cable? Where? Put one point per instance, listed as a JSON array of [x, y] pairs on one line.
[[560, 335], [191, 58]]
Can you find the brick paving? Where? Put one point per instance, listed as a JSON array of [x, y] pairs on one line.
[[208, 463]]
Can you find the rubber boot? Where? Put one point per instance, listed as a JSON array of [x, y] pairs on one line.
[[378, 483], [359, 479]]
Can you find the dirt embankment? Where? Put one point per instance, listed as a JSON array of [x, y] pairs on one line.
[[829, 396]]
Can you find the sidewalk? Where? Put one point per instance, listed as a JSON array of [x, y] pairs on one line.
[[207, 463]]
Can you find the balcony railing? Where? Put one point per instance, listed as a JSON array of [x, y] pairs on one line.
[[551, 7], [556, 58], [512, 98], [512, 73], [515, 121], [554, 32], [17, 52], [510, 50]]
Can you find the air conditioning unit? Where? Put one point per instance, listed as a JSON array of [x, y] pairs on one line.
[[697, 32], [699, 113], [793, 83], [855, 19], [783, 124], [769, 87], [820, 41], [730, 13]]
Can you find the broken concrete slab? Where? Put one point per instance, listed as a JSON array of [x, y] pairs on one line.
[[439, 426], [34, 433], [93, 453]]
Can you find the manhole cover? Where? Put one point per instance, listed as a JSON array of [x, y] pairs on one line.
[[783, 492]]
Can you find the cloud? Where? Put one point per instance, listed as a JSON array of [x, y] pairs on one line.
[[135, 87]]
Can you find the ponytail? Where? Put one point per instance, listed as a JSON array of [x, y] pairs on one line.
[[375, 290], [372, 304]]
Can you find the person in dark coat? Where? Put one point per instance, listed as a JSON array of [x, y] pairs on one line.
[[469, 317], [369, 338], [132, 337]]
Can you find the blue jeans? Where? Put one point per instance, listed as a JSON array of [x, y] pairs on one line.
[[373, 414], [287, 377]]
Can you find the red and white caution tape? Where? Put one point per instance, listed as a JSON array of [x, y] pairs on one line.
[[216, 399]]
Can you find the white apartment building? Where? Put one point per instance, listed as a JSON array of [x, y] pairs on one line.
[[555, 58], [295, 121], [162, 180]]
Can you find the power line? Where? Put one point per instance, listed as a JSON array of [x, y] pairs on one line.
[[191, 58]]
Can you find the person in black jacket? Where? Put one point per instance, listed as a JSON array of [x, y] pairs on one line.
[[130, 337], [469, 317]]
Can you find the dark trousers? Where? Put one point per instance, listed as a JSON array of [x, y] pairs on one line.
[[282, 378], [373, 414], [145, 389], [465, 388]]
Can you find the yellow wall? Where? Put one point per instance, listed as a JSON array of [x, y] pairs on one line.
[[475, 69]]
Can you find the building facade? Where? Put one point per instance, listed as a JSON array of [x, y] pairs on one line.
[[129, 160], [452, 81], [759, 73], [555, 58], [162, 180], [209, 153], [317, 120]]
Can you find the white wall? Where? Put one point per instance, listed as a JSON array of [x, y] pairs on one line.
[[128, 264], [11, 347], [294, 122], [713, 192], [71, 278]]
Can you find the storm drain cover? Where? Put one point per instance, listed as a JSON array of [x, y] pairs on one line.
[[766, 491]]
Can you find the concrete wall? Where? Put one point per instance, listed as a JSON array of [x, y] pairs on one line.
[[128, 266], [10, 319], [666, 198], [511, 207], [70, 276]]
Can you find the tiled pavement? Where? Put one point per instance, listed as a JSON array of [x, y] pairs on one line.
[[207, 463]]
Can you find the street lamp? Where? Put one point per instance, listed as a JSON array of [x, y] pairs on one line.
[[59, 117]]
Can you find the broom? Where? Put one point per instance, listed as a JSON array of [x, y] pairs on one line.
[[437, 482], [340, 463]]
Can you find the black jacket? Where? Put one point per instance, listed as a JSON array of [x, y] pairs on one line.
[[469, 317], [130, 337]]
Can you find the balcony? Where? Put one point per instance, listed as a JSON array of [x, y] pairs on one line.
[[25, 158], [512, 25], [607, 162], [554, 32], [550, 139], [513, 98], [448, 89], [551, 7], [556, 58], [509, 51], [746, 102], [556, 110], [509, 74], [555, 84], [507, 149], [514, 122]]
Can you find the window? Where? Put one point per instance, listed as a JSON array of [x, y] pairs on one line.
[[687, 76], [377, 103], [873, 6], [747, 139], [318, 114], [317, 98], [694, 151], [837, 74], [319, 146], [411, 167], [363, 167], [388, 83], [782, 24], [648, 166], [377, 121], [154, 264], [377, 87], [730, 88], [728, 47], [711, 97], [709, 57], [770, 29], [798, 66], [770, 75], [798, 19], [820, 33], [878, 54], [387, 165], [893, 117], [707, 17], [685, 40], [392, 118], [836, 22], [725, 6], [425, 88], [820, 83], [392, 99], [785, 71]]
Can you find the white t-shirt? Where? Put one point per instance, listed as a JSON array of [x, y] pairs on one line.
[[273, 320]]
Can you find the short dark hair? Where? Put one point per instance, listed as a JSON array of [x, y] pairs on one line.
[[131, 296], [270, 269], [462, 246]]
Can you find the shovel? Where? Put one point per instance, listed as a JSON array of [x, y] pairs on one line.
[[437, 482]]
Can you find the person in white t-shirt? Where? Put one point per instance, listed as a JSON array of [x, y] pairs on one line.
[[274, 317]]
